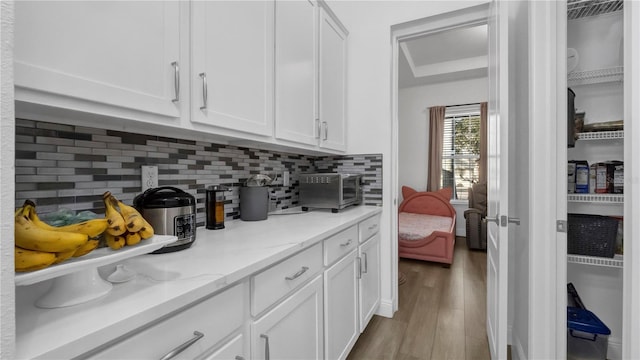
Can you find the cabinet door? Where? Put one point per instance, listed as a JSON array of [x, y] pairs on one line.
[[369, 279], [295, 71], [332, 72], [232, 72], [341, 307], [293, 329], [98, 56]]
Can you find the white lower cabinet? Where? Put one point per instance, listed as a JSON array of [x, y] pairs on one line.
[[293, 329], [187, 334], [369, 283], [233, 349], [341, 307]]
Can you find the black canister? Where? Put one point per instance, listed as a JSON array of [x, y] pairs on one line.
[[215, 207]]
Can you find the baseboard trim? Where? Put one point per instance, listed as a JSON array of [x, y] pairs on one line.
[[614, 350], [385, 308]]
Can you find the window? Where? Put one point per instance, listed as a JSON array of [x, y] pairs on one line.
[[461, 149]]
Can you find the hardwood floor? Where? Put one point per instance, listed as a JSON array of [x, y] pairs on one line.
[[441, 313]]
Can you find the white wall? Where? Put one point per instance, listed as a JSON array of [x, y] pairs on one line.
[[7, 184], [413, 130], [369, 94]]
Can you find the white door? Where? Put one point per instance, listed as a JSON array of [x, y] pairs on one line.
[[332, 74], [232, 65], [341, 308], [369, 279], [296, 71], [293, 329], [498, 182], [99, 56]]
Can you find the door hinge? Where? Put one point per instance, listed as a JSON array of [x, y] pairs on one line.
[[561, 226]]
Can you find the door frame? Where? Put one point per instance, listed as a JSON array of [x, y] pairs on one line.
[[471, 16]]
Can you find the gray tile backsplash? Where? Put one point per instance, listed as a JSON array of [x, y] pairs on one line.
[[63, 166]]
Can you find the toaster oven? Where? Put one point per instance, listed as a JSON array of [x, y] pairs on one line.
[[330, 191]]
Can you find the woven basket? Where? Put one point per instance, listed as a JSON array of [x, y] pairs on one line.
[[592, 235]]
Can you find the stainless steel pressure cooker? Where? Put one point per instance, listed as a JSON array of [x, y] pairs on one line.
[[171, 211]]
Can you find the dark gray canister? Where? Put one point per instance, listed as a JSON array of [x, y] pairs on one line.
[[254, 203]]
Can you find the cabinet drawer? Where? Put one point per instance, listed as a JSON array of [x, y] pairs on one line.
[[368, 227], [274, 283], [340, 244], [215, 318]]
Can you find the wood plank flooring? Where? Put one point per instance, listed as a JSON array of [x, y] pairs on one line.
[[441, 315]]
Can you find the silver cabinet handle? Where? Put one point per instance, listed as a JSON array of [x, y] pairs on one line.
[[318, 130], [176, 80], [171, 354], [347, 243], [514, 220], [373, 226], [266, 346], [359, 267], [203, 76], [298, 274], [238, 357], [326, 130], [366, 266]]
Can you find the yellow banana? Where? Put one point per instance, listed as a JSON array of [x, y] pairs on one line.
[[29, 260], [31, 237], [86, 248], [117, 225], [62, 256], [115, 242], [133, 238], [132, 217], [92, 228], [146, 231]]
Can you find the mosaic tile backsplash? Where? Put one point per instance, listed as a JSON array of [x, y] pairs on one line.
[[63, 166]]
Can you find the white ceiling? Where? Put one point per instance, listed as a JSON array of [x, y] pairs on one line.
[[450, 55]]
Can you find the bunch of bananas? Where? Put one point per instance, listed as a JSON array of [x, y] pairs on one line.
[[125, 224], [38, 244]]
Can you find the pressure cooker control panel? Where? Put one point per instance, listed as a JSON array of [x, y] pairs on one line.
[[185, 226]]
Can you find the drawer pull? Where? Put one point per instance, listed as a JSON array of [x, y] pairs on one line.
[[347, 243], [366, 267], [171, 354], [298, 274], [373, 226], [238, 357], [266, 346]]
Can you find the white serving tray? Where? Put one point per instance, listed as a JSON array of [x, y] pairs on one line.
[[77, 280]]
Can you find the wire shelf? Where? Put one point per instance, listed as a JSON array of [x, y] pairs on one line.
[[616, 262], [597, 76], [601, 135], [597, 198], [577, 9]]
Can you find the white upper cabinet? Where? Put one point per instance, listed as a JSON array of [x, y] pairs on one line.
[[332, 75], [100, 57], [296, 71], [232, 65], [310, 75]]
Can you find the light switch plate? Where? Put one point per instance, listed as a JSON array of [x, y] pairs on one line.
[[149, 177]]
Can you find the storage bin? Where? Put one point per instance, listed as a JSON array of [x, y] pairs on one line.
[[592, 235], [587, 335]]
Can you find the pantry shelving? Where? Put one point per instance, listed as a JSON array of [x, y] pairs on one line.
[[597, 198], [601, 135], [597, 76], [616, 262]]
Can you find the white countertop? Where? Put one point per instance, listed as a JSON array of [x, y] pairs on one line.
[[167, 282]]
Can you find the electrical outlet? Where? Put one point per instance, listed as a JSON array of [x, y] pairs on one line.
[[149, 177]]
